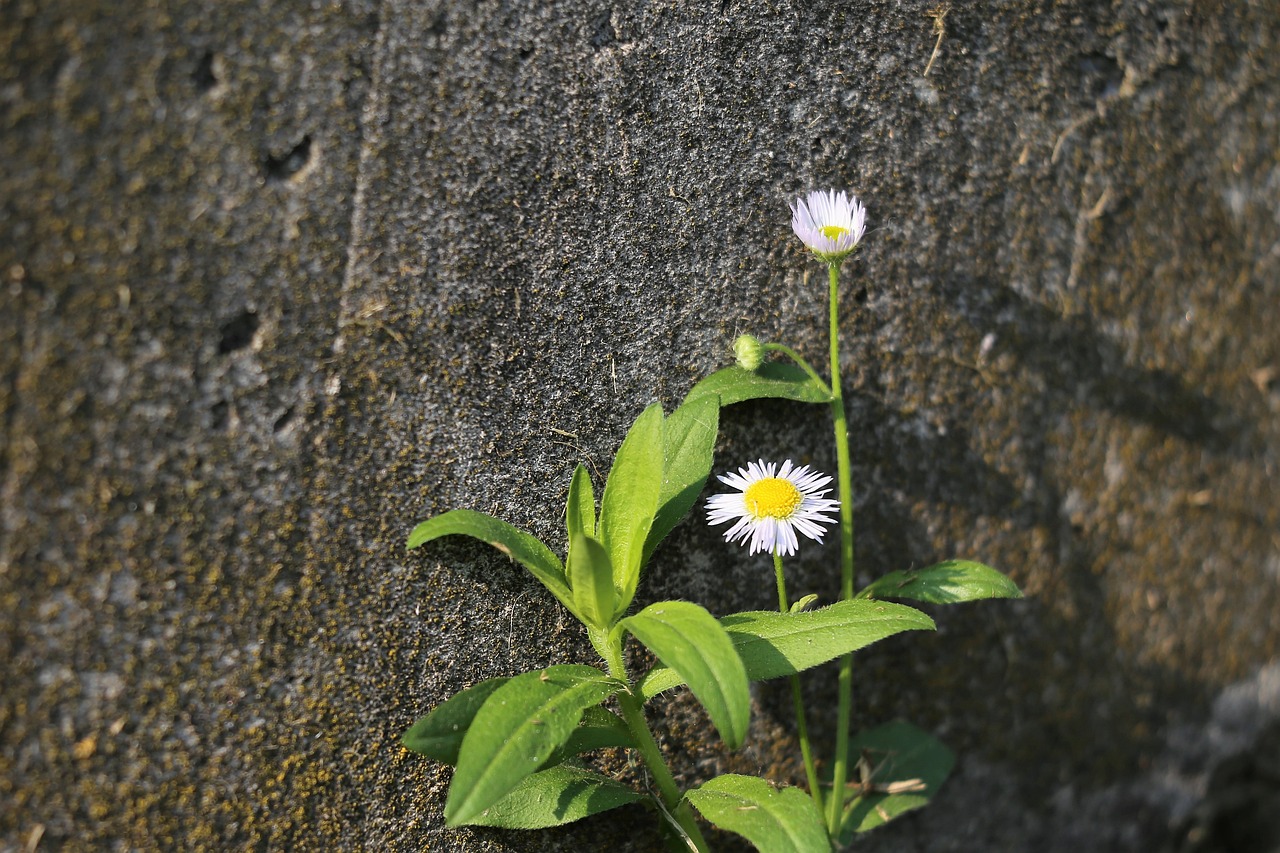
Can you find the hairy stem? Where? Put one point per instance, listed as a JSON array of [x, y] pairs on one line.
[[800, 362], [797, 699], [633, 714], [839, 770]]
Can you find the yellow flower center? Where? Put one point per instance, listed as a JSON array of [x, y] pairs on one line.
[[833, 232], [772, 497]]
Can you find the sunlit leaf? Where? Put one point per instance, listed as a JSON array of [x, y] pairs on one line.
[[689, 640], [944, 583], [688, 449], [554, 797], [580, 510], [775, 820], [773, 644], [772, 379], [631, 500], [517, 729], [592, 577], [439, 734], [516, 544]]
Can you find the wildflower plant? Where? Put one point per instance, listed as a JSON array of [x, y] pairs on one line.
[[517, 744]]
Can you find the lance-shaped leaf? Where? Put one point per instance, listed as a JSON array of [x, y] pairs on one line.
[[591, 574], [439, 734], [631, 499], [580, 511], [520, 725], [554, 797], [944, 583], [692, 644], [516, 544], [897, 768], [772, 379], [688, 450], [599, 728], [775, 820], [775, 644]]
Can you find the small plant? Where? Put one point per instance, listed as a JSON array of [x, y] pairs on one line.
[[516, 742]]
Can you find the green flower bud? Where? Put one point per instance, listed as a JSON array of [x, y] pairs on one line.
[[749, 352]]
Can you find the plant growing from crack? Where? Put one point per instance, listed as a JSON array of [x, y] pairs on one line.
[[517, 742]]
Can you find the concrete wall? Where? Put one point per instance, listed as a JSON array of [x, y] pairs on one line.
[[281, 279]]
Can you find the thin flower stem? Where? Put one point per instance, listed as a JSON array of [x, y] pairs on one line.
[[839, 769], [797, 698], [783, 606], [633, 714], [799, 360]]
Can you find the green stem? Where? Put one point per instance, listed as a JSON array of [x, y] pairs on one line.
[[799, 360], [797, 699], [633, 714], [840, 767]]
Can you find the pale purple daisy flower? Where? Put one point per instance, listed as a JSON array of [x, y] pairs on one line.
[[771, 504], [831, 224]]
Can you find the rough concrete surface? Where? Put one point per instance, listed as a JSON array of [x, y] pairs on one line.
[[281, 279]]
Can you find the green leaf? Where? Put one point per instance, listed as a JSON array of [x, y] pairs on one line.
[[598, 729], [592, 578], [774, 644], [521, 724], [692, 644], [895, 756], [803, 603], [945, 583], [775, 820], [516, 544], [580, 511], [439, 734], [688, 450], [554, 797], [772, 379], [631, 499]]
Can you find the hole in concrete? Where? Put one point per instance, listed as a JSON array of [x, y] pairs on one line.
[[204, 76], [283, 168], [1101, 75], [602, 32], [284, 420], [237, 332]]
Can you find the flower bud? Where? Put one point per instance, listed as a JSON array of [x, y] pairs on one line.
[[749, 352]]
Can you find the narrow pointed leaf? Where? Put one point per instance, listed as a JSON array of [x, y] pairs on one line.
[[945, 583], [580, 511], [515, 543], [688, 450], [895, 758], [631, 499], [599, 728], [692, 644], [774, 644], [520, 725], [592, 579], [775, 820], [554, 797], [439, 734], [772, 379]]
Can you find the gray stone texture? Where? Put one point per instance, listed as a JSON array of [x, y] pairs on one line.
[[281, 279]]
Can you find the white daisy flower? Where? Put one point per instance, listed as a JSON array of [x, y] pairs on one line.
[[831, 224], [771, 504]]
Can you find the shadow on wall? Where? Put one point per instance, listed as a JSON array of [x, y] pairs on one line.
[[1044, 685]]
